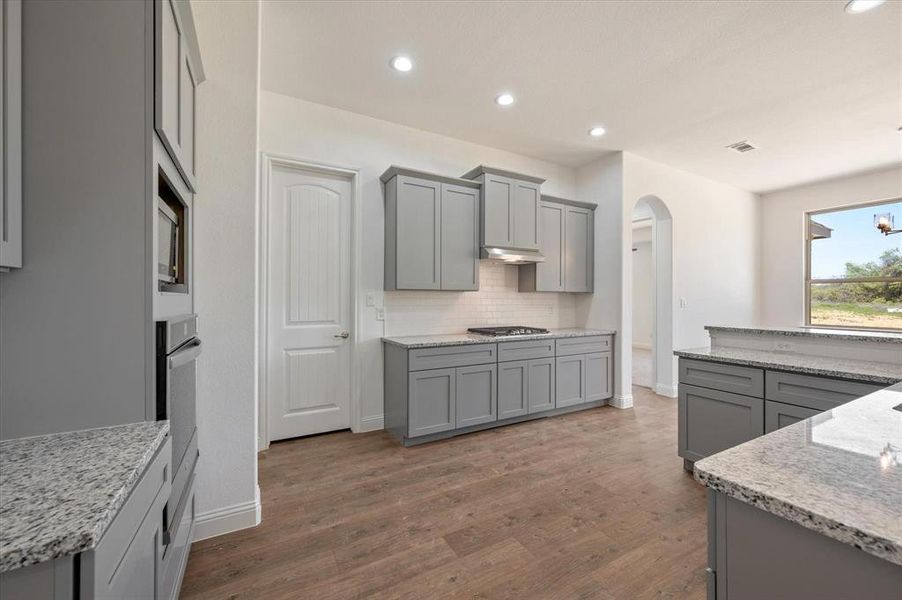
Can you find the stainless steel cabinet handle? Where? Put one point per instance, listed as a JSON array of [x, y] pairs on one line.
[[344, 335]]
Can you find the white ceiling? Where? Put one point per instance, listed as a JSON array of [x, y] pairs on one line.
[[818, 90]]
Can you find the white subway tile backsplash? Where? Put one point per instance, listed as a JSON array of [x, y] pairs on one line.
[[496, 303]]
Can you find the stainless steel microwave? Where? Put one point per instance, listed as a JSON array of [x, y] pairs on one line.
[[172, 230]]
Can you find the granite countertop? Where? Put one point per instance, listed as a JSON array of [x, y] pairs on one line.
[[60, 492], [886, 337], [461, 339], [838, 473], [870, 372]]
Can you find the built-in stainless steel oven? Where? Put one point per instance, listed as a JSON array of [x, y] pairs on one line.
[[177, 350]]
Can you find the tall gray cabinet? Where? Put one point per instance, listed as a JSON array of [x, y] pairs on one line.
[[431, 231], [567, 240]]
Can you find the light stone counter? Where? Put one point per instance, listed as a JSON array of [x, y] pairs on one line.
[[460, 339]]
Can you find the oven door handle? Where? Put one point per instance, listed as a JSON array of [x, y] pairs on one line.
[[185, 355]]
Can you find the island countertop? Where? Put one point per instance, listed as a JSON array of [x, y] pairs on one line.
[[838, 473], [841, 368], [460, 339], [60, 492], [882, 337]]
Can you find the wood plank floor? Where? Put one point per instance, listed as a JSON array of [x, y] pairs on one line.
[[587, 505]]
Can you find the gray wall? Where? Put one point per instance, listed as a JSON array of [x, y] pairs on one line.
[[75, 320]]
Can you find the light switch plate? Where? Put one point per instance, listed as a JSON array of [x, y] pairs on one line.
[[371, 299], [380, 314]]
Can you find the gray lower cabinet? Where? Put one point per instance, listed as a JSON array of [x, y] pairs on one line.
[[432, 401], [127, 561], [431, 392], [570, 384], [722, 405], [778, 415], [567, 240], [513, 389], [712, 420], [476, 392], [431, 232]]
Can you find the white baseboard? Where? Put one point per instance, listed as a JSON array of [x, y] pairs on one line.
[[641, 346], [622, 401], [228, 519], [375, 423], [671, 391]]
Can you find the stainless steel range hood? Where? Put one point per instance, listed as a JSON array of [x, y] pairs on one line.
[[511, 256]]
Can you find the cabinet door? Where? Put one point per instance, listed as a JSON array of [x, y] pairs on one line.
[[598, 376], [431, 401], [778, 415], [550, 274], [137, 575], [497, 211], [578, 232], [11, 134], [570, 380], [710, 421], [540, 385], [476, 395], [174, 82], [418, 234], [459, 238], [526, 215], [512, 389]]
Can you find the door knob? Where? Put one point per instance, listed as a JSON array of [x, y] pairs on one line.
[[343, 335]]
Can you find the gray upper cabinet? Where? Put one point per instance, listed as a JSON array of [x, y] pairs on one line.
[[509, 208], [177, 73], [431, 232], [579, 228], [459, 238], [11, 134], [566, 234]]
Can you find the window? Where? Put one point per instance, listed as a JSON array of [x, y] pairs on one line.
[[854, 268]]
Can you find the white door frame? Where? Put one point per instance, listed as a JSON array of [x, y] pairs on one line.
[[267, 163]]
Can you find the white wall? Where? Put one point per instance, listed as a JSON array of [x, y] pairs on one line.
[[224, 246], [317, 133], [643, 290], [783, 241], [715, 252]]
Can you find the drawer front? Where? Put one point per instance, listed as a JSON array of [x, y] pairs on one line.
[[583, 345], [724, 377], [711, 420], [778, 415], [809, 391], [508, 351], [446, 357]]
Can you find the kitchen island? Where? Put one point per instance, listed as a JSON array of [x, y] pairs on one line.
[[812, 510], [81, 513]]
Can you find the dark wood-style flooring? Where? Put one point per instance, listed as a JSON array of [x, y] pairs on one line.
[[589, 505]]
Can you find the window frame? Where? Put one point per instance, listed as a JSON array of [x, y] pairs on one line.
[[808, 281]]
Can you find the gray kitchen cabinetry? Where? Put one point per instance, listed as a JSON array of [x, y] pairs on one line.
[[438, 391], [127, 562], [722, 405], [567, 240], [779, 414], [431, 232], [509, 208], [177, 73], [11, 134]]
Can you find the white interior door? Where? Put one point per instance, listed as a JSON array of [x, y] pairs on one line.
[[309, 308]]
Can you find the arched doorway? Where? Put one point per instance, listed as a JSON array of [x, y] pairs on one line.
[[651, 296]]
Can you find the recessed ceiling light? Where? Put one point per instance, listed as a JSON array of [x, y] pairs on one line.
[[597, 131], [859, 6], [401, 63], [505, 99]]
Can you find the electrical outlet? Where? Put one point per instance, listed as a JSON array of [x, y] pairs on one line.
[[683, 303], [371, 299], [380, 314]]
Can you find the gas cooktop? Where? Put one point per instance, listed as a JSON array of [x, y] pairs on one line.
[[507, 330]]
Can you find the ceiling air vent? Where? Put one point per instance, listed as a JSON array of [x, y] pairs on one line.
[[742, 146]]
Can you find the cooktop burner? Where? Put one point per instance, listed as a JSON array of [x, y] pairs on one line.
[[507, 330]]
